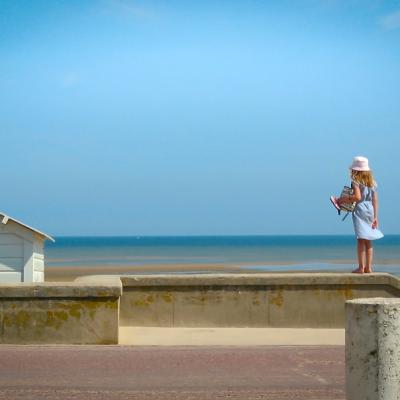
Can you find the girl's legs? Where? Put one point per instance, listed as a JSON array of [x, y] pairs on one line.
[[370, 253], [361, 256]]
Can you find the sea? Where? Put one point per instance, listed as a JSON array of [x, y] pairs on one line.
[[252, 253]]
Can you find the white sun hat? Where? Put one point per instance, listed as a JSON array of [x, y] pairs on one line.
[[360, 164]]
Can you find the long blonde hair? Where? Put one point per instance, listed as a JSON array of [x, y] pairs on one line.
[[365, 178]]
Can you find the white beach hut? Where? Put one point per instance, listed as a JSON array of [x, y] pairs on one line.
[[21, 251]]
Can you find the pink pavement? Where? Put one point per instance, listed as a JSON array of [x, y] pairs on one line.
[[190, 373]]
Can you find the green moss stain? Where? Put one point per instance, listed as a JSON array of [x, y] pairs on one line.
[[167, 297], [347, 293], [112, 305], [78, 309], [20, 319], [55, 319], [53, 315], [75, 311], [256, 299], [145, 301], [50, 321], [276, 298], [62, 315], [196, 299]]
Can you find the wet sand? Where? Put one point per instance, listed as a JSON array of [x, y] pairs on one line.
[[68, 274], [55, 274]]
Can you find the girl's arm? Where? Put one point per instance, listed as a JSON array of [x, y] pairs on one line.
[[375, 205]]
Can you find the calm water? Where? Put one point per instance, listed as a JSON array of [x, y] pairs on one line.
[[256, 252]]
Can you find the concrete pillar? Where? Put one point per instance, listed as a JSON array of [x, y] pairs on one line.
[[373, 349]]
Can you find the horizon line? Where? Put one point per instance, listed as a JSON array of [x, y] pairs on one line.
[[212, 235]]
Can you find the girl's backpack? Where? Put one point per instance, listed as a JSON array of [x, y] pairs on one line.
[[348, 207]]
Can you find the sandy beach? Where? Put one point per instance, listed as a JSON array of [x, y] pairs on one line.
[[58, 273], [71, 257], [67, 274]]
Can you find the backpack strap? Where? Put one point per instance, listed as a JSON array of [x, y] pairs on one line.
[[345, 216]]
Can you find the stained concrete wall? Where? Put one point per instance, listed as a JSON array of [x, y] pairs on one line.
[[60, 313], [91, 309], [373, 349], [295, 300]]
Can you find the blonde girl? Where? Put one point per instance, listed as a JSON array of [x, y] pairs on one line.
[[365, 215]]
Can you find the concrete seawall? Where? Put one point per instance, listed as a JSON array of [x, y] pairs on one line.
[[292, 300], [60, 313], [92, 309]]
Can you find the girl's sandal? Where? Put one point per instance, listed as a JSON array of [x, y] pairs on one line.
[[335, 203]]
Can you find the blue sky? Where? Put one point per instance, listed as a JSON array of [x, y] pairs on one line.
[[122, 117]]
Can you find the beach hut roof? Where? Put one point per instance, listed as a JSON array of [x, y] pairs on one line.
[[4, 218]]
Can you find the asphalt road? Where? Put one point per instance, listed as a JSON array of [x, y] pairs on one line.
[[190, 373]]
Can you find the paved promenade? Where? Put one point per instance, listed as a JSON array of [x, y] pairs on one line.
[[190, 373], [158, 336]]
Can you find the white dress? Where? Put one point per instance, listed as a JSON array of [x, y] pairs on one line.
[[363, 215]]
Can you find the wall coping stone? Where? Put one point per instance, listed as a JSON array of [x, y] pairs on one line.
[[112, 285], [264, 279], [102, 287], [376, 301]]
